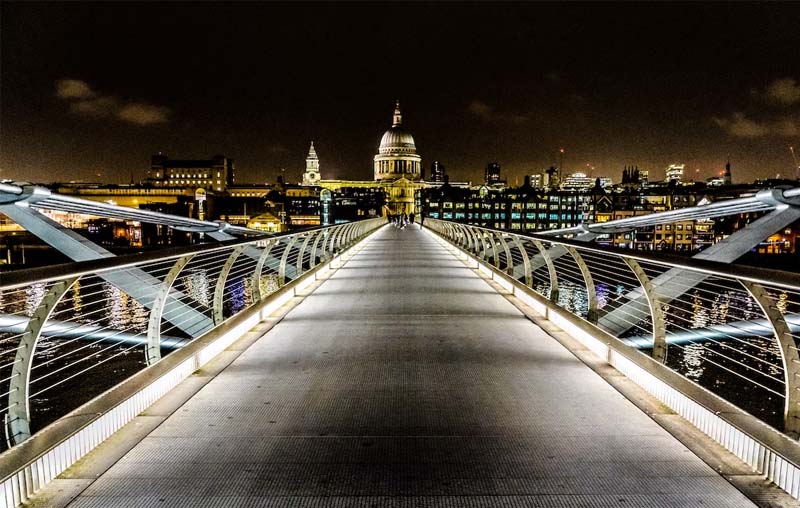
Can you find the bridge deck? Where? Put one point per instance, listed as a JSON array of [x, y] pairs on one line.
[[405, 380]]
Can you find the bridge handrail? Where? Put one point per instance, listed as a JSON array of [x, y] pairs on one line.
[[60, 325], [741, 358], [15, 278]]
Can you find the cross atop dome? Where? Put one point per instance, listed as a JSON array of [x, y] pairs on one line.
[[398, 116]]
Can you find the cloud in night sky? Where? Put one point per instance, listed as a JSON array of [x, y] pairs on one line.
[[488, 113], [740, 126], [140, 113], [87, 102], [782, 92], [73, 89]]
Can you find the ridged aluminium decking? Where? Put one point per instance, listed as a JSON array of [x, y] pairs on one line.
[[406, 380]]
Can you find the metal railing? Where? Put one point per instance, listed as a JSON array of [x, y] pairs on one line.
[[67, 333], [731, 329]]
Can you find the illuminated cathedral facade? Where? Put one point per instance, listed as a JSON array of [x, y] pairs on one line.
[[397, 169]]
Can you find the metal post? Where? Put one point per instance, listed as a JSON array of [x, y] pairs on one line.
[[284, 258], [348, 238], [484, 255], [526, 261], [789, 356], [337, 230], [656, 310], [303, 246], [591, 292], [509, 260], [153, 350], [320, 235], [449, 234], [551, 270], [18, 427], [219, 290], [466, 241], [260, 268], [475, 245]]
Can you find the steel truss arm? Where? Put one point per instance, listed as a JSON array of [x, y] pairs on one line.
[[656, 310], [551, 270], [153, 350], [219, 289], [789, 355], [591, 292], [18, 418]]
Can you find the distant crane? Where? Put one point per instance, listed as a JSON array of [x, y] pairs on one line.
[[796, 165]]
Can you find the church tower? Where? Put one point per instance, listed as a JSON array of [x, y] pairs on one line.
[[311, 176], [726, 177]]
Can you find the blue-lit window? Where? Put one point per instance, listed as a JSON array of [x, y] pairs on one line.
[[460, 215], [447, 215], [553, 216], [434, 215], [516, 215]]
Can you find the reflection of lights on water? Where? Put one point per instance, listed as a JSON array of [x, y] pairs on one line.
[[77, 300], [124, 312], [268, 284], [693, 361], [700, 316], [235, 296], [33, 297], [196, 286]]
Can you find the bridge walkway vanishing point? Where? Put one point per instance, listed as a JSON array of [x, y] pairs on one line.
[[406, 380]]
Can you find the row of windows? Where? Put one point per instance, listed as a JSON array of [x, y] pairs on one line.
[[196, 182], [190, 175], [497, 206]]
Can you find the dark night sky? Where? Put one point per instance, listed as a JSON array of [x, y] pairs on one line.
[[90, 91]]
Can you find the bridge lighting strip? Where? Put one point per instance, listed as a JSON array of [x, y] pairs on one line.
[[763, 448], [38, 467]]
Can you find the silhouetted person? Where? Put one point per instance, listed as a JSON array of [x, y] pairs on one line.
[[411, 218]]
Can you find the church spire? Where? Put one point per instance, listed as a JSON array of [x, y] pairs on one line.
[[312, 154], [398, 117]]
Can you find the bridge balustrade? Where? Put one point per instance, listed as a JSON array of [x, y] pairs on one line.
[[726, 329], [67, 334]]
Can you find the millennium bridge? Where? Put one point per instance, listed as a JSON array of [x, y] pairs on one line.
[[364, 364]]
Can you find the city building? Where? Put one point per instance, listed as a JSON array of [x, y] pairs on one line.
[[215, 174], [577, 182], [437, 172], [311, 174], [726, 177], [675, 172], [492, 174], [537, 181]]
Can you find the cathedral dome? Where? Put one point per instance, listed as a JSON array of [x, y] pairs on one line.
[[397, 139], [397, 154]]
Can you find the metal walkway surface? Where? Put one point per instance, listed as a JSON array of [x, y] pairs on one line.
[[406, 380]]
